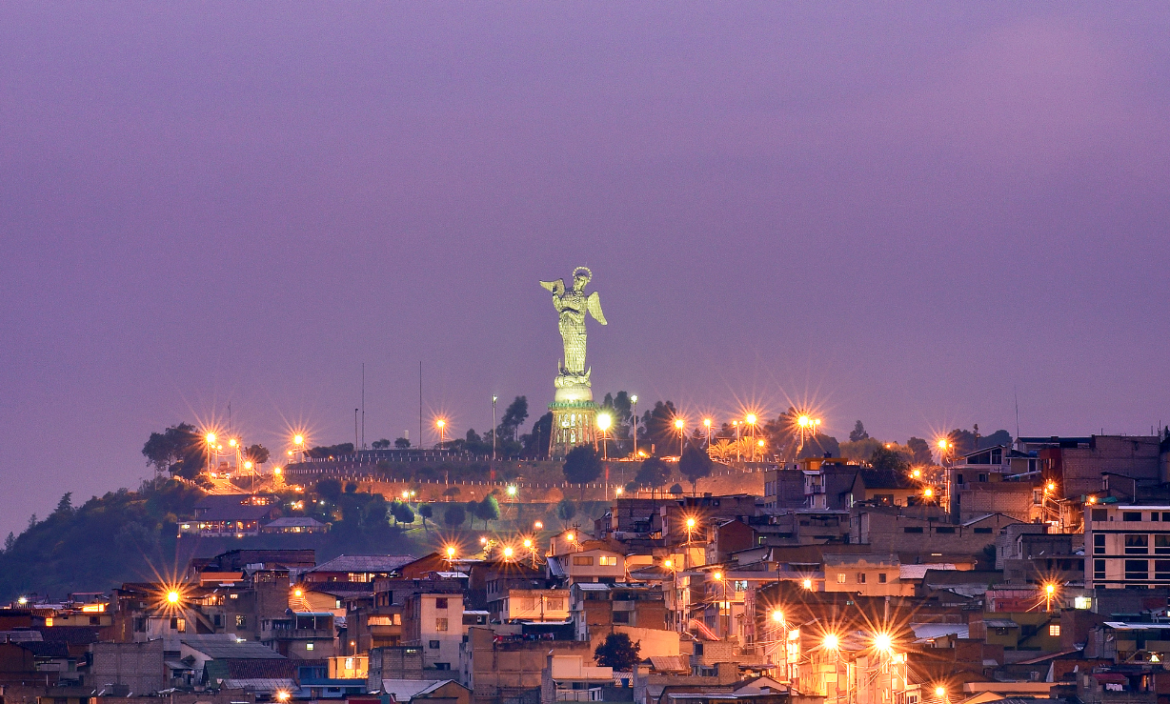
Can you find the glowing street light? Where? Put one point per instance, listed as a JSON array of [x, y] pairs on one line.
[[538, 525], [210, 438], [604, 420], [512, 490], [618, 491], [883, 642], [707, 424], [668, 564], [508, 553], [450, 552], [928, 492], [807, 584], [528, 543], [1049, 590], [680, 425], [173, 597], [442, 426], [778, 616], [282, 696], [807, 424], [831, 642], [634, 417]]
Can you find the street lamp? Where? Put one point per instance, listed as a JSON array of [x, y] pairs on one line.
[[707, 423], [1049, 590], [807, 584], [751, 421], [807, 424], [450, 552], [494, 399], [634, 404], [508, 553], [680, 425], [299, 441], [831, 642], [604, 420], [442, 426]]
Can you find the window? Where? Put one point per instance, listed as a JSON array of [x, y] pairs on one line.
[[881, 577], [241, 621], [1162, 544], [944, 530], [349, 663], [983, 530], [179, 624], [1137, 544], [442, 666], [1098, 569], [440, 603], [1165, 516], [1054, 630], [912, 529], [556, 604], [139, 625], [607, 560], [585, 561], [433, 645], [861, 578], [1099, 544], [1131, 515], [621, 617], [1099, 514], [309, 645], [840, 578], [1137, 569], [1161, 569], [440, 624]]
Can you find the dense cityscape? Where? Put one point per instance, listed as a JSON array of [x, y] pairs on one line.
[[369, 352]]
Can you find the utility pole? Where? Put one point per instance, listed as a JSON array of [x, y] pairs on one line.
[[363, 405], [355, 429], [494, 399], [420, 424]]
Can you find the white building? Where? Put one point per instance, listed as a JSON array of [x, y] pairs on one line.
[[1127, 546]]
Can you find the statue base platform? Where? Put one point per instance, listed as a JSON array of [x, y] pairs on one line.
[[574, 423]]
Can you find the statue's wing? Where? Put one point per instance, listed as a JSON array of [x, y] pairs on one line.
[[593, 305], [557, 287]]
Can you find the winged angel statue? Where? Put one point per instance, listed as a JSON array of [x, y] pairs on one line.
[[572, 307]]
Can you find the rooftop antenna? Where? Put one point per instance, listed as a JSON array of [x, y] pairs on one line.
[[1016, 393], [420, 433], [363, 405]]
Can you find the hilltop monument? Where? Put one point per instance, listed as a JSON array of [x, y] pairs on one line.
[[573, 409]]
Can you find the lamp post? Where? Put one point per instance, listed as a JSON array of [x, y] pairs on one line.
[[634, 403], [604, 420], [681, 426], [299, 441], [807, 424], [707, 423], [210, 442], [751, 420], [735, 424], [494, 399], [1049, 590], [442, 426]]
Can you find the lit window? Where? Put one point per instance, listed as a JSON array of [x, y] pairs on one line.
[[608, 560], [1054, 630], [308, 646], [440, 624], [840, 578]]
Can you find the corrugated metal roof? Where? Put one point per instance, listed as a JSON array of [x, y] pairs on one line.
[[364, 563]]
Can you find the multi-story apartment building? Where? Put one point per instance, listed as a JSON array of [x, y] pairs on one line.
[[1127, 547]]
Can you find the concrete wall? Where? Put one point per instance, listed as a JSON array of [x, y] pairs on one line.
[[138, 666]]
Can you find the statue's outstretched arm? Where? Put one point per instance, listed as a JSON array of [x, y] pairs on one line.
[[593, 305]]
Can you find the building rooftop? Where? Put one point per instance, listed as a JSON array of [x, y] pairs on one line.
[[364, 563], [220, 647]]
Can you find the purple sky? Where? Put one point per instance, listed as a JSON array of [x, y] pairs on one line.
[[897, 214]]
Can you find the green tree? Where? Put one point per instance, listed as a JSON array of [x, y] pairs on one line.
[[451, 492], [487, 510], [566, 510], [351, 487], [454, 515], [920, 451], [694, 465], [258, 454], [382, 444], [65, 505], [327, 451], [653, 473], [401, 512], [535, 443], [426, 512], [9, 542], [179, 449], [858, 432], [329, 489], [657, 430], [676, 490], [402, 443], [618, 652], [889, 459], [859, 450], [514, 417], [582, 465]]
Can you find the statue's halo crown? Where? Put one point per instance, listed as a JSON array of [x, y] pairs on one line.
[[587, 273]]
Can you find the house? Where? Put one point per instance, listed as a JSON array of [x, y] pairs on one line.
[[433, 620], [357, 568], [429, 691], [229, 515], [568, 678], [1127, 547], [868, 575]]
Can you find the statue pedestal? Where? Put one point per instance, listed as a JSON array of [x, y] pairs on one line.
[[574, 423]]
